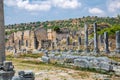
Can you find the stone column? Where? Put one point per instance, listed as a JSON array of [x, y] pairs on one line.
[[35, 41], [96, 50], [106, 43], [6, 68], [86, 38], [29, 42], [19, 44], [100, 40], [2, 34], [22, 38], [74, 33], [117, 41], [79, 42], [52, 45], [68, 40], [26, 43], [13, 38]]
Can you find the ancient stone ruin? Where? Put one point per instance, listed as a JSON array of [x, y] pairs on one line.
[[6, 67], [96, 49], [64, 47], [40, 38], [118, 41], [86, 38]]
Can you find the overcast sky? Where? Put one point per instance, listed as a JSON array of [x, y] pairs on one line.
[[22, 11]]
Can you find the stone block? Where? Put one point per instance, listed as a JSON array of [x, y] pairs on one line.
[[45, 59], [93, 64], [81, 63], [6, 75], [7, 66], [24, 75], [105, 66]]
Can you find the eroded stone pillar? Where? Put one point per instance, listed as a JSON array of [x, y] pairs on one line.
[[86, 38], [2, 34], [19, 44], [106, 43], [100, 40], [34, 42], [22, 38], [118, 41], [6, 68], [68, 40], [79, 42], [96, 49]]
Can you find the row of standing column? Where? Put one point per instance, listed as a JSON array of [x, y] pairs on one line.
[[106, 42]]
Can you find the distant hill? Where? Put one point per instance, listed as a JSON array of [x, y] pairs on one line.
[[72, 24]]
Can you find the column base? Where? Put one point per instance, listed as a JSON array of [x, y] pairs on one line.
[[96, 50], [6, 75], [87, 50]]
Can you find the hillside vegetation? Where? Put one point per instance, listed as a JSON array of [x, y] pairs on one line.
[[72, 24], [110, 30]]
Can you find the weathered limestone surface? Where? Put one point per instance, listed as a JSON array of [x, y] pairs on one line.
[[68, 40], [28, 39], [79, 41], [6, 68], [45, 59], [106, 43], [118, 41], [2, 33], [86, 38], [6, 71], [100, 40], [96, 50], [24, 75], [6, 75]]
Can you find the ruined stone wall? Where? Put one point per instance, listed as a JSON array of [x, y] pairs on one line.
[[52, 35], [49, 34], [27, 39], [41, 34]]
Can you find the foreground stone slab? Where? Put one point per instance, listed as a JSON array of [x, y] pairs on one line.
[[6, 75], [45, 59], [81, 63], [24, 75], [6, 71], [105, 66], [102, 63]]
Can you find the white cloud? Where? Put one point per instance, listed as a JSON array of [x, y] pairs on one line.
[[25, 4], [96, 11], [66, 4], [113, 5], [10, 2], [43, 5]]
